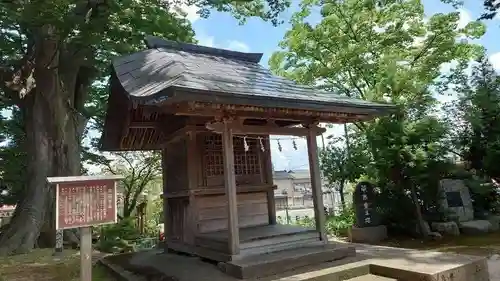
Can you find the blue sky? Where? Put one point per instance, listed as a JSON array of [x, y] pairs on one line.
[[223, 31]]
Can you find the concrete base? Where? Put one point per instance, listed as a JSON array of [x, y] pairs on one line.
[[370, 261], [372, 234]]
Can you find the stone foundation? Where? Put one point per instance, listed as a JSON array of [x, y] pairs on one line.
[[372, 234], [376, 262]]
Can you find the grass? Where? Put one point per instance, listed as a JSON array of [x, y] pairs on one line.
[[481, 245], [40, 265]]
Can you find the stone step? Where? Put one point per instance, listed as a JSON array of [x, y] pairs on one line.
[[257, 266], [278, 247], [284, 238], [371, 277], [263, 245]]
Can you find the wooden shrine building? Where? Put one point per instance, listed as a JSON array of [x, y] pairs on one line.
[[211, 112]]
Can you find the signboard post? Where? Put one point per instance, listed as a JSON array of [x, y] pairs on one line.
[[83, 202]]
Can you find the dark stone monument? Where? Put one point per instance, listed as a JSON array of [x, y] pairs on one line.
[[364, 206], [367, 227]]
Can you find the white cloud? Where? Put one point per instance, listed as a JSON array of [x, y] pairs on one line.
[[238, 46], [209, 41], [465, 18], [190, 11], [205, 40], [495, 61]]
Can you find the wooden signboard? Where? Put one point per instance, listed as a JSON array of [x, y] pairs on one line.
[[86, 203], [83, 202]]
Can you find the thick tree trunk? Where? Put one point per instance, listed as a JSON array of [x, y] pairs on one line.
[[53, 132]]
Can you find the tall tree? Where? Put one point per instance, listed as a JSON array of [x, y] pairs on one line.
[[380, 51], [342, 164], [12, 158], [491, 9], [475, 117], [52, 52], [140, 169]]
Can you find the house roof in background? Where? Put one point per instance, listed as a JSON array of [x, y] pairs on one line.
[[292, 174]]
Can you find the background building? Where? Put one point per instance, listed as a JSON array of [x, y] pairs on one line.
[[294, 191]]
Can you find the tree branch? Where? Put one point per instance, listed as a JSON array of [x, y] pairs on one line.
[[424, 49]]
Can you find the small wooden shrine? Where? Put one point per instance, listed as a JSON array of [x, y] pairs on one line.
[[211, 112]]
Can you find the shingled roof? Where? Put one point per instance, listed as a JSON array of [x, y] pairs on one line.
[[149, 76], [156, 92]]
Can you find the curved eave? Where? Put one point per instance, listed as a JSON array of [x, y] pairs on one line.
[[179, 95]]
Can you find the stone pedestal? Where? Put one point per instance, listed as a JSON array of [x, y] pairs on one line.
[[446, 228], [495, 222], [369, 234], [475, 227]]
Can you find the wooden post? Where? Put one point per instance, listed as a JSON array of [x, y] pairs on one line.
[[166, 208], [271, 201], [59, 242], [317, 192], [230, 186], [86, 254], [59, 233]]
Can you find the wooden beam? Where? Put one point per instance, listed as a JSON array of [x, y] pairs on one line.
[[264, 130], [182, 132], [317, 191], [230, 186], [336, 115], [144, 125]]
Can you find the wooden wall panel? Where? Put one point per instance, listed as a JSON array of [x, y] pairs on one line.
[[212, 211], [176, 166], [178, 213]]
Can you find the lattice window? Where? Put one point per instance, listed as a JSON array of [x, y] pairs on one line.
[[213, 155], [245, 162]]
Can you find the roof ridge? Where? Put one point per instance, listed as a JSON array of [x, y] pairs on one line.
[[153, 42]]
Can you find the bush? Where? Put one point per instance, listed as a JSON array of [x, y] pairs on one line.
[[339, 225], [335, 225], [306, 222], [120, 237]]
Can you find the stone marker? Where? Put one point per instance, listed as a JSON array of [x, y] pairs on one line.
[[367, 227], [456, 201]]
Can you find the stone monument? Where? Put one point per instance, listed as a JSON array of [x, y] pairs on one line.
[[367, 227], [457, 203]]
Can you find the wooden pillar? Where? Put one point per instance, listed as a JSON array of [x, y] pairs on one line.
[[230, 186], [166, 208], [271, 201], [317, 192], [192, 168]]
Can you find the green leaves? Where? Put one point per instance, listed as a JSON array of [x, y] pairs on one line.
[[84, 37], [386, 51], [391, 50], [475, 117]]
